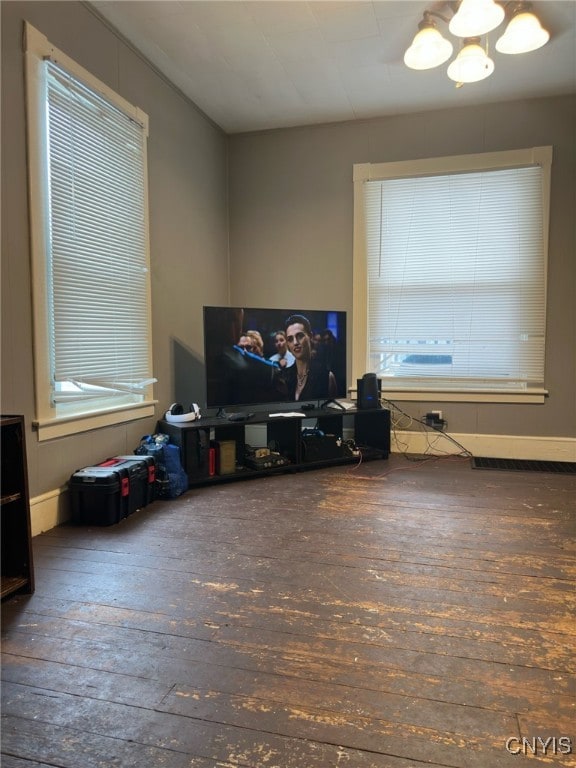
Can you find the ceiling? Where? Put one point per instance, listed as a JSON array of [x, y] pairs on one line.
[[252, 65]]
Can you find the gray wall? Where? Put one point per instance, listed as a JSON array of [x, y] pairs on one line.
[[290, 201], [188, 229], [291, 223]]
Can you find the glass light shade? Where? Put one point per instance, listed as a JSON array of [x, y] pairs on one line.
[[475, 18], [471, 65], [523, 34], [429, 49]]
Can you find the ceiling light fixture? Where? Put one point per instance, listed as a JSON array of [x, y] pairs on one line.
[[470, 20], [476, 17], [429, 49], [472, 63], [524, 32]]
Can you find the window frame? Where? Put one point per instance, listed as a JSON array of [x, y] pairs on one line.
[[48, 423], [364, 172]]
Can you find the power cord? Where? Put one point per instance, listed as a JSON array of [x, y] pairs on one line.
[[464, 452]]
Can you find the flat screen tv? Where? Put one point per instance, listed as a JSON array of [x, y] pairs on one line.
[[256, 356]]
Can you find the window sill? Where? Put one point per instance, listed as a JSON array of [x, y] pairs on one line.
[[49, 429], [439, 395]]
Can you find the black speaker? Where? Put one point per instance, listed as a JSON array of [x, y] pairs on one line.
[[368, 388]]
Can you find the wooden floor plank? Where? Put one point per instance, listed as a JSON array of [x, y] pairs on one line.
[[170, 659], [196, 737], [487, 642], [300, 570], [391, 616], [10, 761], [350, 602], [72, 748]]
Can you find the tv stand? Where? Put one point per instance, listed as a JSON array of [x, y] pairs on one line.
[[202, 443]]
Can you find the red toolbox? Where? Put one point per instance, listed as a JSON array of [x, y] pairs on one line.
[[112, 490], [147, 469], [99, 495], [138, 471]]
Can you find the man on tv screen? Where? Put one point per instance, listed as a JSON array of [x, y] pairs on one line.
[[310, 378]]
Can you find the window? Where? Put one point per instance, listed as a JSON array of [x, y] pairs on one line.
[[450, 274], [91, 282]]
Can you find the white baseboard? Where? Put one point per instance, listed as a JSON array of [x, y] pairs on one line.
[[49, 510], [492, 446], [52, 508]]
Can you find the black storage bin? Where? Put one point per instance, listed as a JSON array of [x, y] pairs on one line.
[[99, 495], [135, 469], [145, 478]]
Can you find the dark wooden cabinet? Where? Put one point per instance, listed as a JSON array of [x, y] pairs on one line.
[[16, 565], [362, 435]]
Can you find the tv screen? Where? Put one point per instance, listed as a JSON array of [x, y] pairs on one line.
[[255, 356]]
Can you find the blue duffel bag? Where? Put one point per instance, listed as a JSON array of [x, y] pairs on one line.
[[171, 479]]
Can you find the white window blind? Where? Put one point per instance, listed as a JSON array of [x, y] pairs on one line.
[[97, 261], [456, 279]]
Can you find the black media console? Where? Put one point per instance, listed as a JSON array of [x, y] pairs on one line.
[[216, 449]]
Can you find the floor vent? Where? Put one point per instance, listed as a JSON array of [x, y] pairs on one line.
[[524, 465]]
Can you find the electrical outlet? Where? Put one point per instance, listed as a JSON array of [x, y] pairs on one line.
[[434, 419]]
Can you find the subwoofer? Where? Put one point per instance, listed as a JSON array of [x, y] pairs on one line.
[[368, 388]]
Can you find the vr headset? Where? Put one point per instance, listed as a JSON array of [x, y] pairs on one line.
[[176, 415]]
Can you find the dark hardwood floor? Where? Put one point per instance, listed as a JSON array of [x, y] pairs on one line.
[[396, 614]]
